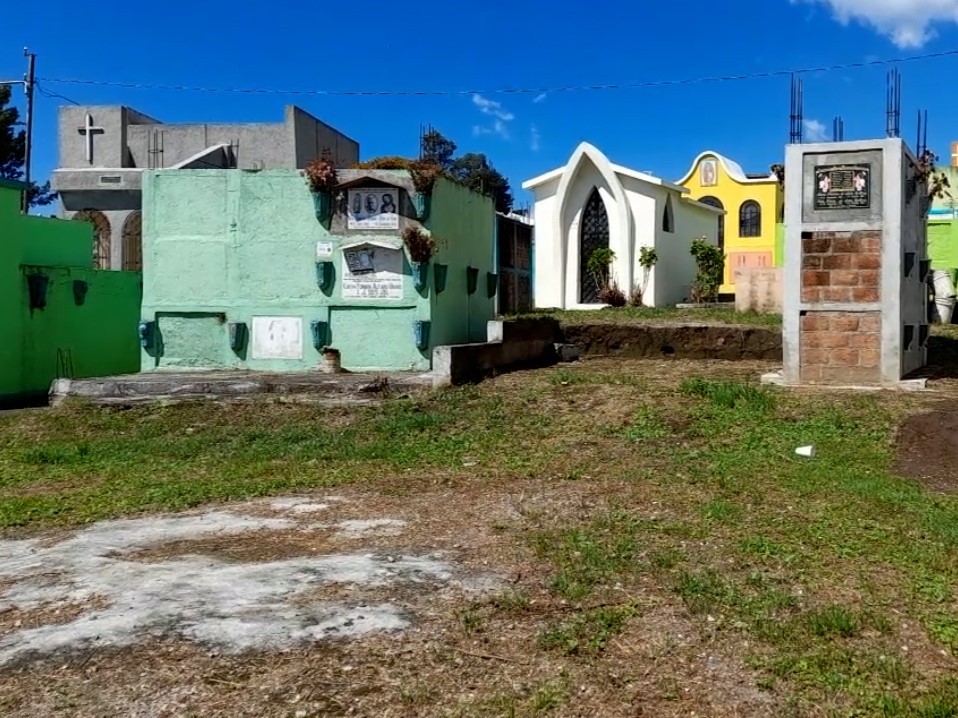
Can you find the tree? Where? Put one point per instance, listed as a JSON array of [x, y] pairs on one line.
[[438, 149], [13, 143], [477, 173], [472, 169]]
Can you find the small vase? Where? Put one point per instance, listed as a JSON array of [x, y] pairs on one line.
[[419, 273], [420, 330], [472, 279], [322, 202], [439, 273], [492, 284], [423, 205]]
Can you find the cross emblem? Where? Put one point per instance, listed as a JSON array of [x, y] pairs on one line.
[[89, 130]]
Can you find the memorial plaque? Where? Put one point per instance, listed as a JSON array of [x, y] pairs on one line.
[[372, 273], [843, 186]]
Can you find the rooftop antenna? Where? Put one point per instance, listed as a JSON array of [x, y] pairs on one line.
[[922, 144], [796, 114], [838, 129], [893, 104], [424, 131]]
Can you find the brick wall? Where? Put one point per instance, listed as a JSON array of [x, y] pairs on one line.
[[840, 347], [841, 267]]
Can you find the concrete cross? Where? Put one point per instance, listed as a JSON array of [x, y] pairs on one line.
[[89, 130]]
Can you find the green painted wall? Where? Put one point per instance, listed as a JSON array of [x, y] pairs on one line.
[[11, 315], [943, 244], [778, 259], [222, 247], [94, 338], [56, 242], [459, 317]]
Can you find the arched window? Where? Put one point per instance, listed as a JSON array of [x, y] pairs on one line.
[[668, 216], [750, 219], [133, 242], [717, 203], [101, 236], [593, 235]]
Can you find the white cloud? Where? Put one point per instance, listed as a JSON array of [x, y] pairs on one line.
[[908, 23], [535, 139], [498, 127], [539, 98], [491, 107], [494, 109], [814, 131]]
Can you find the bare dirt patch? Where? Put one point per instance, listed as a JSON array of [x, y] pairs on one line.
[[685, 341], [927, 448]]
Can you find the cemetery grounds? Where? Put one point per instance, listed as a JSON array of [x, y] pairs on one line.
[[609, 538]]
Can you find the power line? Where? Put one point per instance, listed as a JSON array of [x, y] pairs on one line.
[[512, 90], [50, 93]]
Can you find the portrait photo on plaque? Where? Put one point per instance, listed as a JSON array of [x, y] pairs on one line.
[[360, 261], [843, 186], [374, 208]]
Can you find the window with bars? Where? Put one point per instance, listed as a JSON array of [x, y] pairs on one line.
[[101, 236], [750, 219]]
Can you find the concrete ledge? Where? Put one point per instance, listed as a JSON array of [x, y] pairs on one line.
[[777, 378], [147, 387], [514, 344]]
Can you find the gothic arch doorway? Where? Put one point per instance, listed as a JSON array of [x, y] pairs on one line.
[[593, 235], [133, 242], [101, 236]]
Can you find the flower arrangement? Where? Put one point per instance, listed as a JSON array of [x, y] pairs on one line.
[[421, 246], [321, 176]]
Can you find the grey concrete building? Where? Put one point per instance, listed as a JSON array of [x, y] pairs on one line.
[[104, 149]]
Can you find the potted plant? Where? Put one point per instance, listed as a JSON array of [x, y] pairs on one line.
[[424, 175], [331, 361], [321, 178], [421, 248]]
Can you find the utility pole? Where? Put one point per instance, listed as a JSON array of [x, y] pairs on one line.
[[28, 149]]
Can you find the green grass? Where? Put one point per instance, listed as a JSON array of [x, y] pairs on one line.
[[95, 464], [693, 499], [588, 633], [646, 315]]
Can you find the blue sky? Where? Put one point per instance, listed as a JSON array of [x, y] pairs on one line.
[[454, 47]]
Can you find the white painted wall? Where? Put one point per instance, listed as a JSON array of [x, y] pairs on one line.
[[546, 268]]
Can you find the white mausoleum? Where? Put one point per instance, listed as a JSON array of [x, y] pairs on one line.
[[591, 203]]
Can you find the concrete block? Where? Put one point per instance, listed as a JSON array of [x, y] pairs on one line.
[[759, 290], [567, 352]]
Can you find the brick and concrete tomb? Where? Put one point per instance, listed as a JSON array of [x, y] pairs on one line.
[[855, 292]]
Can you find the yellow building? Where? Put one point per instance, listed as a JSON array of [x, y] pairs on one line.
[[753, 204]]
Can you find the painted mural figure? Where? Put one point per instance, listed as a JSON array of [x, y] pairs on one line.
[[708, 173]]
